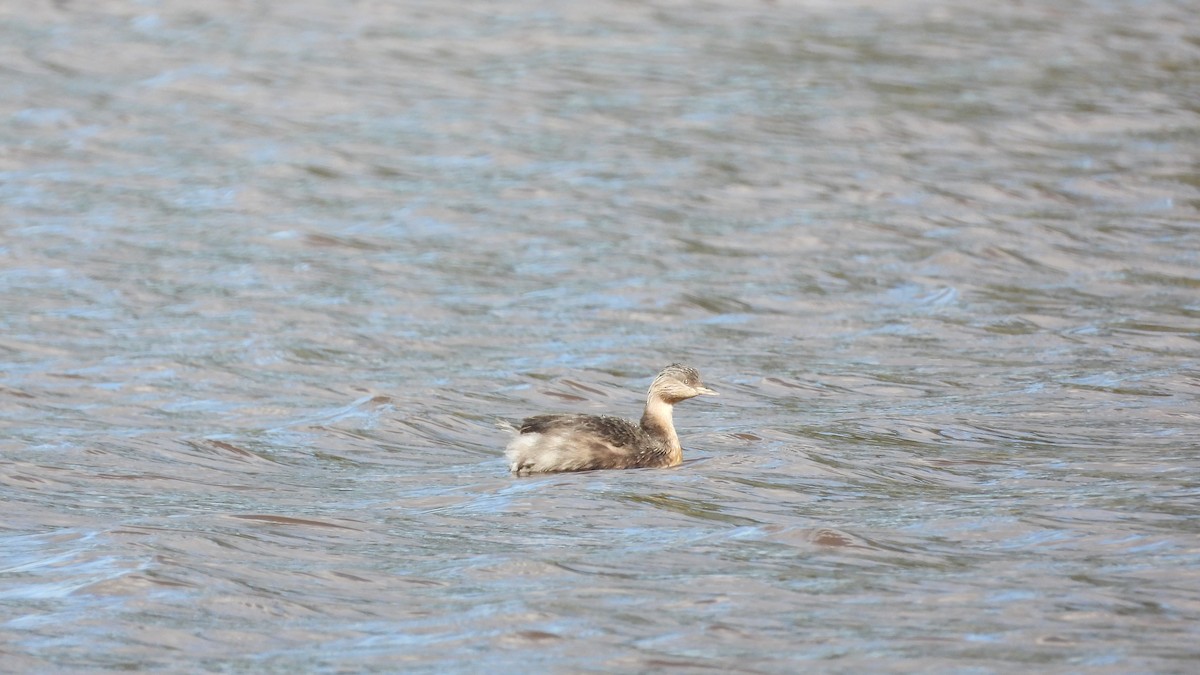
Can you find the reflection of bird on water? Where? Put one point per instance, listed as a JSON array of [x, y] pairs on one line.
[[546, 443]]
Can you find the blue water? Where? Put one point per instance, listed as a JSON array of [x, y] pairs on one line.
[[269, 275]]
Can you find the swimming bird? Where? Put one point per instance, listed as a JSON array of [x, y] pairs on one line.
[[548, 443]]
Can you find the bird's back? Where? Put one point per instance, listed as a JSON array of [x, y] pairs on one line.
[[576, 443]]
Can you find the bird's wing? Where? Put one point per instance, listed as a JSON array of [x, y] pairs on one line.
[[614, 430]]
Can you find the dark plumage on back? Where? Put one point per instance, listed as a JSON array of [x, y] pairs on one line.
[[574, 442], [619, 432]]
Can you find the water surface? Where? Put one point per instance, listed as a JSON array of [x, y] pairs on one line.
[[269, 273]]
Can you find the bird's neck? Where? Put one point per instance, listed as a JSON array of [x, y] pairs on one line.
[[657, 423]]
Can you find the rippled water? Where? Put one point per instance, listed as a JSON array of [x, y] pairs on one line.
[[270, 272]]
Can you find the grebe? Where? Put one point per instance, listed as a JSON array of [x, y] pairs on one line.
[[547, 443]]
